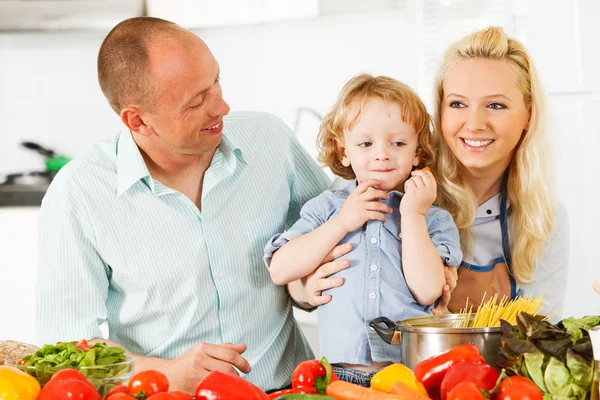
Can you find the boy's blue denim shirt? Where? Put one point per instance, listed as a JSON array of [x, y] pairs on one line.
[[374, 283]]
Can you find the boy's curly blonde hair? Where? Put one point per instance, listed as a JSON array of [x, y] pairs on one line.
[[360, 89]]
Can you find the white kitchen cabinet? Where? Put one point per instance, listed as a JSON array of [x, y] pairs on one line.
[[18, 261], [66, 15], [194, 14]]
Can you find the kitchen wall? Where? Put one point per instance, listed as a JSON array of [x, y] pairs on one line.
[[49, 94]]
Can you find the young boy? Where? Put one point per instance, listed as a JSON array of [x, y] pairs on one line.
[[377, 134]]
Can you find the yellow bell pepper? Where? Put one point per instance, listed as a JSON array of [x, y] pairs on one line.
[[17, 385], [383, 380]]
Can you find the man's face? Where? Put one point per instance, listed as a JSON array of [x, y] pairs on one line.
[[187, 114]]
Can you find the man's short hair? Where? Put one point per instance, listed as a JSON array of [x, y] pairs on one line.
[[124, 63]]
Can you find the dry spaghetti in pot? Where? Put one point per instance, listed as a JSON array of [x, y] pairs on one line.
[[490, 312]]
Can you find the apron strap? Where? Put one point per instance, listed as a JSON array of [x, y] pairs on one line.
[[505, 239]]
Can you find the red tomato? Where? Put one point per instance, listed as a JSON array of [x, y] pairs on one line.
[[120, 396], [70, 389], [181, 395], [149, 382], [64, 375], [466, 391], [164, 396], [518, 388], [83, 345], [119, 389]]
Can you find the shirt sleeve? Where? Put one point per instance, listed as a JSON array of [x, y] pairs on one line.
[[72, 281], [306, 179], [444, 235], [552, 271], [313, 214]]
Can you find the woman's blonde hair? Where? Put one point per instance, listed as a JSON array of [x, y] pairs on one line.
[[531, 193], [360, 89]]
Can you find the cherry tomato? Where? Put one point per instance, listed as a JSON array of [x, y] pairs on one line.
[[22, 362], [518, 388], [149, 382], [70, 389], [164, 396], [120, 396], [465, 391], [118, 389], [65, 375], [83, 345], [181, 395]]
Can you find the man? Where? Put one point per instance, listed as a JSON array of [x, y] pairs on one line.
[[160, 231]]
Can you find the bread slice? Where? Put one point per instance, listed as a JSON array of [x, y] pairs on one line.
[[11, 350]]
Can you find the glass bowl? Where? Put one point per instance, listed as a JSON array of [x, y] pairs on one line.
[[103, 377]]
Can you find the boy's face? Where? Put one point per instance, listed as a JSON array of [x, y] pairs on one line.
[[380, 145]]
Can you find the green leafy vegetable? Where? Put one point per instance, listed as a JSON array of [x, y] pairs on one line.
[[96, 364], [557, 358]]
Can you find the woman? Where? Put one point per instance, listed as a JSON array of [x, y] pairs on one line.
[[494, 173], [494, 176]]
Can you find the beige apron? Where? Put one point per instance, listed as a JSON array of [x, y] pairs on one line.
[[475, 281]]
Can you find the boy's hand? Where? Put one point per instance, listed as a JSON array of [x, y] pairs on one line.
[[420, 192], [363, 205]]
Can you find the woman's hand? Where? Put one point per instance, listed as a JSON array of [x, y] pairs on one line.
[[451, 274], [596, 286], [308, 289]]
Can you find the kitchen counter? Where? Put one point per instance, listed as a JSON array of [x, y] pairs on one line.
[[22, 195]]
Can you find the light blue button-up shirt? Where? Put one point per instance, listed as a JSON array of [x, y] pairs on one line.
[[119, 246], [374, 284]]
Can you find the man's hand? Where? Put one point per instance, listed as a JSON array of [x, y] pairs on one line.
[[362, 205], [451, 275], [186, 371], [319, 280], [420, 192]]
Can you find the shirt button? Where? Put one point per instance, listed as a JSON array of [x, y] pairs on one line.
[[373, 267], [489, 212], [373, 240], [372, 295]]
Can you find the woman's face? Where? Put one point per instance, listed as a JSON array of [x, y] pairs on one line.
[[483, 114]]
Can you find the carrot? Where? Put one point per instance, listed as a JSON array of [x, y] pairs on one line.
[[341, 390], [407, 392]]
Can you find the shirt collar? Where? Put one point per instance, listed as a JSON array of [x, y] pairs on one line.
[[130, 163], [490, 208], [131, 166]]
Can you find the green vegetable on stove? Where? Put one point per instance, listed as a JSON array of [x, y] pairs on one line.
[[557, 358]]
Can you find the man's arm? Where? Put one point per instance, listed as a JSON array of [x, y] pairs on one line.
[[302, 255], [72, 281], [186, 371]]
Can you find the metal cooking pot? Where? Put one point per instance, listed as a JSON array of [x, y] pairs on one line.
[[424, 337]]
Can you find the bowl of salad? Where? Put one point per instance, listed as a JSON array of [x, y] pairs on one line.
[[103, 365]]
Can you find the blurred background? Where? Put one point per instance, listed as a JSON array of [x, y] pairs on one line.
[[290, 58]]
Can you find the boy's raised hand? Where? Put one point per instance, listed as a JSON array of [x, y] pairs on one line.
[[362, 205], [420, 191]]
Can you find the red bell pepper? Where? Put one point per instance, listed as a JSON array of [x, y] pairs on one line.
[[430, 372], [223, 386], [482, 375], [313, 374]]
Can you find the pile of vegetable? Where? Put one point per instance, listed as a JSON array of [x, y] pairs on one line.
[[558, 358], [99, 363]]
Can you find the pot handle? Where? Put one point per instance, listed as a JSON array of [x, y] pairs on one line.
[[390, 334]]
